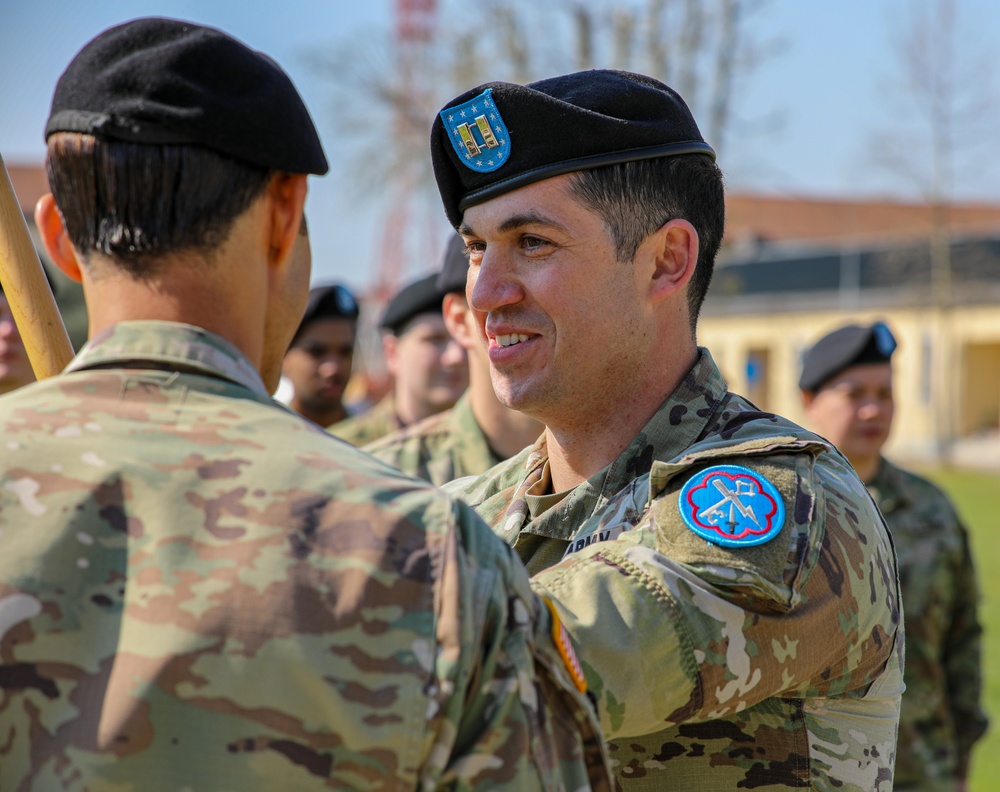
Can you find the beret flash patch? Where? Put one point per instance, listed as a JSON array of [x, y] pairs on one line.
[[478, 133], [732, 506]]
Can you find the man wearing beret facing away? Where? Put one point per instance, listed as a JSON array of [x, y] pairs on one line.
[[478, 432], [429, 369], [728, 583], [847, 390], [199, 589]]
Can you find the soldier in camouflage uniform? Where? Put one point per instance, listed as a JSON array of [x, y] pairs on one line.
[[199, 589], [317, 366], [478, 432], [429, 369], [378, 421], [847, 389], [727, 580]]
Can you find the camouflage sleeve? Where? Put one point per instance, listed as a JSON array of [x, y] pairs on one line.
[[962, 659], [672, 628], [517, 720]]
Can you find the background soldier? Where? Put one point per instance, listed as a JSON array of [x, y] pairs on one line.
[[201, 590], [318, 364], [429, 370], [847, 390], [478, 432], [725, 576]]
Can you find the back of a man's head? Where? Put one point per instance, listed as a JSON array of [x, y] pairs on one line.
[[162, 132]]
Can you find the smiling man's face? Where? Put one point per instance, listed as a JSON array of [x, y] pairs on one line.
[[560, 316]]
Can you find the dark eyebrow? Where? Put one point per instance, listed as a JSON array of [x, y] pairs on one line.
[[517, 221]]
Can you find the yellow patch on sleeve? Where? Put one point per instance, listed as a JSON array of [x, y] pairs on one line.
[[564, 644]]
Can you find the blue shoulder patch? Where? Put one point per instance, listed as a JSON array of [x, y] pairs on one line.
[[732, 506], [478, 133]]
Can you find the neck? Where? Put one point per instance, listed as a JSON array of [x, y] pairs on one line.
[[507, 431], [225, 295], [578, 451], [408, 410], [866, 467], [323, 418]]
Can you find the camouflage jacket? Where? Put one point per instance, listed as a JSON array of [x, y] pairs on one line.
[[200, 590], [369, 426], [941, 717], [440, 448], [775, 665]]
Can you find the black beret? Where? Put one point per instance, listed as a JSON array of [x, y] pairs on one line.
[[847, 346], [421, 296], [454, 268], [331, 301], [168, 82], [501, 136]]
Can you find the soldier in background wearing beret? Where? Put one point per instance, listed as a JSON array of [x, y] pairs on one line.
[[847, 390], [429, 370], [199, 589], [727, 580], [317, 366], [478, 432]]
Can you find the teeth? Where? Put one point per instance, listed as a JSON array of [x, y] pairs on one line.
[[509, 340]]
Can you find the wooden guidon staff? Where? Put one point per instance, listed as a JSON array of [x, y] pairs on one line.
[[27, 289]]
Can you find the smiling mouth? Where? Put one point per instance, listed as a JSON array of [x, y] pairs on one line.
[[511, 339]]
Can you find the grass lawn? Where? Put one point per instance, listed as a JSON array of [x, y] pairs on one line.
[[977, 497]]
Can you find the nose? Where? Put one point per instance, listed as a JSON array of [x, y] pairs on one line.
[[871, 408], [492, 284], [330, 366]]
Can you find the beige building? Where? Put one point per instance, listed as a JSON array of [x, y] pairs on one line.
[[770, 300]]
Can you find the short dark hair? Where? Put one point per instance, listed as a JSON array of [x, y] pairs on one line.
[[636, 198], [137, 202]]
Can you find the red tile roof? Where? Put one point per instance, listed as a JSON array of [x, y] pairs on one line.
[[753, 217], [30, 184]]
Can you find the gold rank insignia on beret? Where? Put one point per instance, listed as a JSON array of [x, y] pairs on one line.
[[478, 133]]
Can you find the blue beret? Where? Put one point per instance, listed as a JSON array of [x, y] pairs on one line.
[[167, 82], [501, 136], [848, 346]]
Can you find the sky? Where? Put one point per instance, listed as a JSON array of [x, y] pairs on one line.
[[807, 116]]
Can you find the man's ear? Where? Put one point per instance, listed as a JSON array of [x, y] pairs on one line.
[[287, 197], [673, 251], [455, 310], [55, 238]]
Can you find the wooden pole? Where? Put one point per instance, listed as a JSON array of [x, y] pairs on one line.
[[27, 289]]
